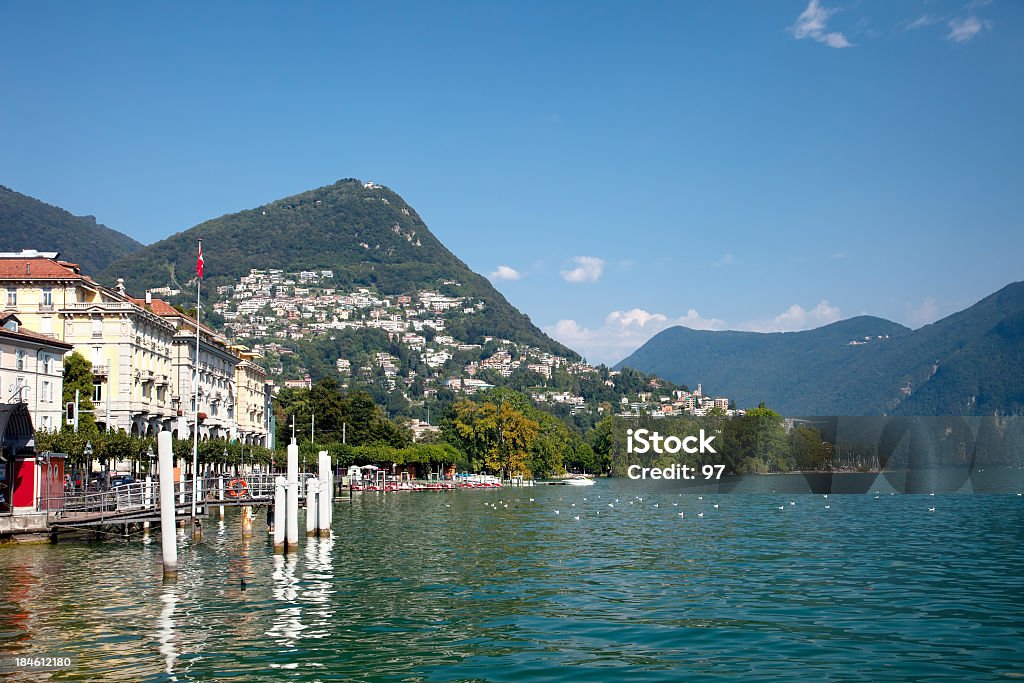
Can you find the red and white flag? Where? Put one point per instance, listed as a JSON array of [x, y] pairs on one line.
[[199, 261]]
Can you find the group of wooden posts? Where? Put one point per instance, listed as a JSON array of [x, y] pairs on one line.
[[319, 495]]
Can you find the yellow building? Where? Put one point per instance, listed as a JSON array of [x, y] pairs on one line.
[[253, 398], [141, 351], [216, 375], [130, 348]]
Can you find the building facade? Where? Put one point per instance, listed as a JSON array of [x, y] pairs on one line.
[[141, 350], [128, 346], [253, 399], [213, 375], [32, 371]]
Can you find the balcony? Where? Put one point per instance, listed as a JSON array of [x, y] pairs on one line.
[[99, 370], [102, 305], [46, 308]]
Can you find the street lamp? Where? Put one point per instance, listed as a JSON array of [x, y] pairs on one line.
[[88, 462]]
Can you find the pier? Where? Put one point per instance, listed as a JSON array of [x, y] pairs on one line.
[[139, 502]]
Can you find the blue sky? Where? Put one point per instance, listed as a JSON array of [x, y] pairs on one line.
[[615, 168]]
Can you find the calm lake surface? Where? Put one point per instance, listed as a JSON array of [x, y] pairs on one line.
[[491, 586]]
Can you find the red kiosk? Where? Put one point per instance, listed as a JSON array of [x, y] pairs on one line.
[[29, 482]]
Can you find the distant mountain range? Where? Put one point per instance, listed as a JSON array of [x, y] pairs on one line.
[[27, 223], [970, 363]]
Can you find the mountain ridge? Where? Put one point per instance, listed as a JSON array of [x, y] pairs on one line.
[[365, 233], [970, 362], [30, 223]]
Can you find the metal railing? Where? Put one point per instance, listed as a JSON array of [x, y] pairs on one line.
[[143, 498]]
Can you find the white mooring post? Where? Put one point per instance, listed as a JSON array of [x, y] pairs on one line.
[[220, 494], [292, 518], [147, 500], [168, 531], [312, 509], [279, 512], [326, 494]]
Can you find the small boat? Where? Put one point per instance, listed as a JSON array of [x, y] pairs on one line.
[[579, 480]]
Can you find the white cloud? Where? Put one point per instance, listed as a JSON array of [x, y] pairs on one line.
[[506, 273], [623, 332], [588, 269], [962, 30], [918, 316], [796, 317], [726, 260], [923, 21], [813, 23]]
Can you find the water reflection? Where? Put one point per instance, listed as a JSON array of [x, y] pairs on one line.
[[318, 578], [287, 623], [165, 631]]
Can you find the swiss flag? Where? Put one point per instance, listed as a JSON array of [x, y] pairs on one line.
[[199, 261]]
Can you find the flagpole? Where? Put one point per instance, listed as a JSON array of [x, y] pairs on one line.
[[195, 393]]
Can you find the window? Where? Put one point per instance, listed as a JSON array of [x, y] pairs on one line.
[[97, 392], [12, 297], [46, 325], [47, 394], [97, 327], [47, 296], [19, 359]]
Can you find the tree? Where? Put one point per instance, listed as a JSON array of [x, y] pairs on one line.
[[497, 437], [78, 376], [756, 442], [512, 437], [809, 451]]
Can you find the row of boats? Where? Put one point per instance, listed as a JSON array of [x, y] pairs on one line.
[[476, 481], [420, 486], [386, 484]]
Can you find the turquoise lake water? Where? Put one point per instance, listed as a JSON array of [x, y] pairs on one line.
[[491, 586]]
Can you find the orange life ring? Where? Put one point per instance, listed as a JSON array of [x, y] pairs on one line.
[[237, 488]]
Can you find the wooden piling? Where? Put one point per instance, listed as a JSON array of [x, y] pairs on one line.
[[246, 521]]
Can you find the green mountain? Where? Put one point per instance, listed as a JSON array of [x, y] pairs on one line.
[[366, 234], [970, 363], [27, 223]]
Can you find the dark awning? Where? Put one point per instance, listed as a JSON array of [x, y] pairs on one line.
[[15, 426]]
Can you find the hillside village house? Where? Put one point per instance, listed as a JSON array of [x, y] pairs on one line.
[[141, 350]]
